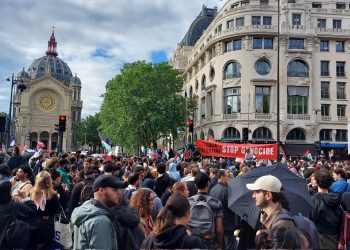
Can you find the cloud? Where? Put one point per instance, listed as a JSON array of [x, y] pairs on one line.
[[95, 38]]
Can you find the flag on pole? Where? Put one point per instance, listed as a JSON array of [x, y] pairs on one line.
[[106, 143], [308, 156], [13, 140], [281, 152]]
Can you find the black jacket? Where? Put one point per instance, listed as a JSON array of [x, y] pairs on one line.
[[22, 211], [174, 237], [76, 192], [126, 220], [326, 213], [15, 161], [162, 183]]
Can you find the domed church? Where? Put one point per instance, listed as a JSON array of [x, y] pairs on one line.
[[51, 90]]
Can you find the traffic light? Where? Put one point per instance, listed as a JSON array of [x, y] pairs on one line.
[[62, 123], [245, 134], [190, 125]]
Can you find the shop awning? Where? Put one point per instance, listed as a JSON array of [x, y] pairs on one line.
[[333, 145], [300, 149]]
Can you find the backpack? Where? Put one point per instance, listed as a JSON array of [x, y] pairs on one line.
[[344, 236], [202, 221], [305, 225], [128, 192], [17, 229], [86, 192]]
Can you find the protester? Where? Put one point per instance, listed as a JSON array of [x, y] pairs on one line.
[[21, 182], [202, 183], [10, 210], [170, 229], [133, 184], [63, 169], [177, 188], [173, 173], [47, 205], [339, 185], [230, 220], [4, 173], [163, 180], [43, 155], [16, 159], [143, 201], [269, 198], [60, 188], [325, 211], [93, 228]]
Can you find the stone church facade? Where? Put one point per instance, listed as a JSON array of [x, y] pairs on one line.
[[51, 91]]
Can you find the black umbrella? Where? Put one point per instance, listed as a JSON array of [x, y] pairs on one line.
[[295, 189]]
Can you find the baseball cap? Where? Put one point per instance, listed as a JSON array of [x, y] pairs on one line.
[[267, 183], [63, 161], [111, 181]]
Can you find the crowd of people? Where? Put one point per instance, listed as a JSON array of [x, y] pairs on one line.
[[131, 202]]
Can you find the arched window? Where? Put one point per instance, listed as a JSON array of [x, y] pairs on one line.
[[210, 133], [196, 86], [185, 94], [296, 134], [203, 85], [191, 91], [44, 138], [194, 137], [298, 68], [262, 133], [212, 74], [232, 70], [202, 136], [231, 133]]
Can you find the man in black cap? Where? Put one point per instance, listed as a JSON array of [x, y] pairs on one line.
[[93, 228]]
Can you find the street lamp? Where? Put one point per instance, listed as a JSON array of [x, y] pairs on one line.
[[278, 79], [21, 86]]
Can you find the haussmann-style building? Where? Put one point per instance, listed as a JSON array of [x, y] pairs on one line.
[[229, 62]]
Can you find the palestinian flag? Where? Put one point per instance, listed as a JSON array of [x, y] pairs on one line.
[[308, 156], [106, 143], [281, 152]]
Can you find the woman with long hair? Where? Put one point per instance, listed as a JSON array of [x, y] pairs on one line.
[[170, 229], [47, 205], [178, 188], [143, 200]]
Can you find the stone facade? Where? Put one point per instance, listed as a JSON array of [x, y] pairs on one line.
[[49, 93], [231, 71]]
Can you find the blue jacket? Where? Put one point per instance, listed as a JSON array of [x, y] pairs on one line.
[[339, 186]]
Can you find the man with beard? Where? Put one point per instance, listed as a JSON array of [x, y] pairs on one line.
[[93, 227], [272, 202]]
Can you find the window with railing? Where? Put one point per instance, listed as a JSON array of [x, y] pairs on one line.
[[262, 99], [296, 19], [297, 101], [341, 94], [232, 100], [340, 6], [337, 24], [341, 110], [256, 20], [262, 43], [325, 109], [321, 23], [239, 21], [231, 133], [340, 69], [230, 24], [267, 20], [316, 5]]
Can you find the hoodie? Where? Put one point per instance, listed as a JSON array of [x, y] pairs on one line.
[[173, 173], [326, 213], [93, 227], [174, 237]]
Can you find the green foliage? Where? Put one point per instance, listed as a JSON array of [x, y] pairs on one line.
[[142, 104], [3, 114], [87, 130]]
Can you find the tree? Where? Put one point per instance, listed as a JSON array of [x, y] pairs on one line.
[[142, 104], [87, 130]]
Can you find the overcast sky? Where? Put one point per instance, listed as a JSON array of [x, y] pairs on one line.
[[95, 37]]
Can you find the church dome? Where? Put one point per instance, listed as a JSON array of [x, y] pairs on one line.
[[23, 74], [50, 64], [75, 80]]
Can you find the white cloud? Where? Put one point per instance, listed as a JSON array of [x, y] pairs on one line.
[[126, 30]]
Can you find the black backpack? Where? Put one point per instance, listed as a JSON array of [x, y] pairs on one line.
[[18, 233]]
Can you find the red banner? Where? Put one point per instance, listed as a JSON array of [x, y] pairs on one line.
[[231, 150]]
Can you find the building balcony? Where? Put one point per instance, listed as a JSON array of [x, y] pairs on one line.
[[325, 118], [230, 116], [298, 117], [261, 116], [342, 119], [333, 31], [297, 27]]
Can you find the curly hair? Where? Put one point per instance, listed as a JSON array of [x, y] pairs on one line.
[[140, 200]]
